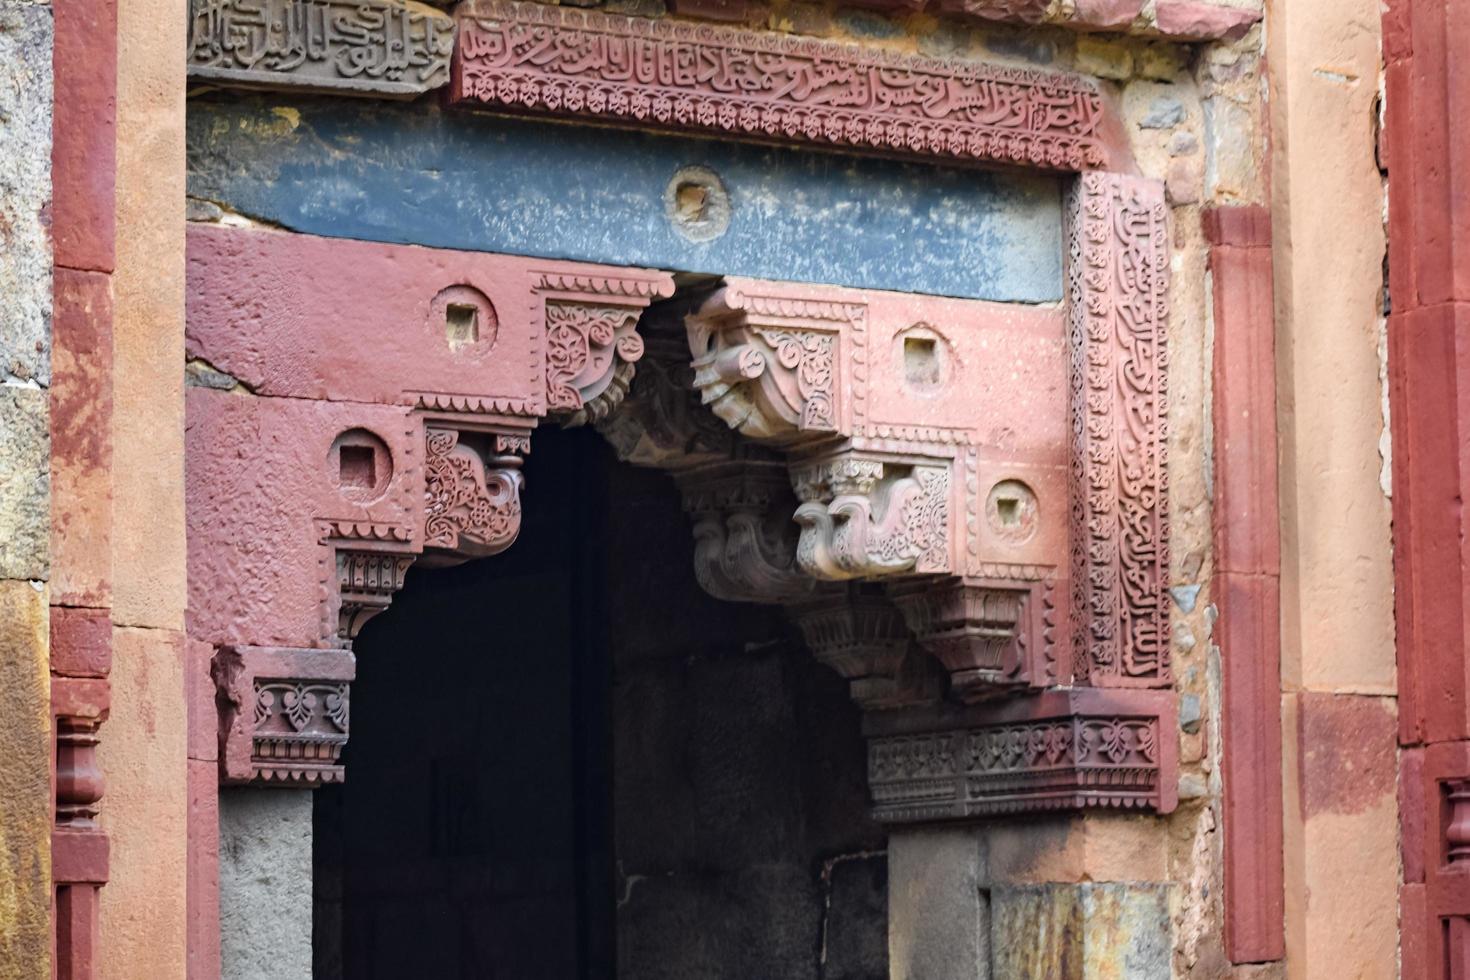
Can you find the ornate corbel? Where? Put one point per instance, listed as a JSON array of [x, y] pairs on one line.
[[661, 424], [283, 713], [772, 366], [991, 636], [472, 491], [855, 630], [592, 341], [744, 539], [863, 516]]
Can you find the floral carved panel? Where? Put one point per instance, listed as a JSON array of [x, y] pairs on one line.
[[678, 75], [284, 713]]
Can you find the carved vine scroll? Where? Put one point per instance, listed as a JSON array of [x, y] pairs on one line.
[[678, 75], [1117, 293]]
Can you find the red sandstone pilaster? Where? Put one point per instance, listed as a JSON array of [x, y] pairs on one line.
[[1247, 583], [83, 231]]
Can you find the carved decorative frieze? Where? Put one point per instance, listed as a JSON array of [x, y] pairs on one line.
[[472, 495], [857, 632], [1052, 751], [676, 75], [283, 713], [862, 516], [1117, 293], [394, 48], [592, 341], [772, 367], [744, 539]]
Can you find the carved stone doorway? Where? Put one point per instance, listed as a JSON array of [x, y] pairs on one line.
[[571, 763]]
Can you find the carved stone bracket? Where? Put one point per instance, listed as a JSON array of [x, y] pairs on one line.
[[985, 634], [385, 48], [283, 713], [472, 490], [863, 516], [661, 423], [1117, 293], [772, 366], [1057, 750], [856, 631], [744, 538], [534, 58], [592, 341]]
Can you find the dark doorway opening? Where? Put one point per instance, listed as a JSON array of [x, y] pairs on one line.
[[570, 763]]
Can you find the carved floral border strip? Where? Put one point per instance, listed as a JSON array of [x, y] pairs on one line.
[[678, 75]]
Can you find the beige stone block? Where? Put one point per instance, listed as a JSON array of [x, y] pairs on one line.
[[25, 783], [1106, 59], [1336, 574], [25, 484], [1341, 838], [144, 760], [1090, 847], [148, 421]]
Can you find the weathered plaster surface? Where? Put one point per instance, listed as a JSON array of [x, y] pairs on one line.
[[418, 175], [26, 802], [265, 884], [25, 191], [25, 785], [25, 483]]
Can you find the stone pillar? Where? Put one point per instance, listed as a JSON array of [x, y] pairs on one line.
[[1007, 900], [938, 911], [265, 884], [1082, 931]]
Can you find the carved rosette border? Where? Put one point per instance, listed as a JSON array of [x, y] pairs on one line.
[[678, 75], [1053, 751], [1117, 292]]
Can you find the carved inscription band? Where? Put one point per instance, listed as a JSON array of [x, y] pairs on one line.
[[1117, 293], [384, 47], [676, 75]]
